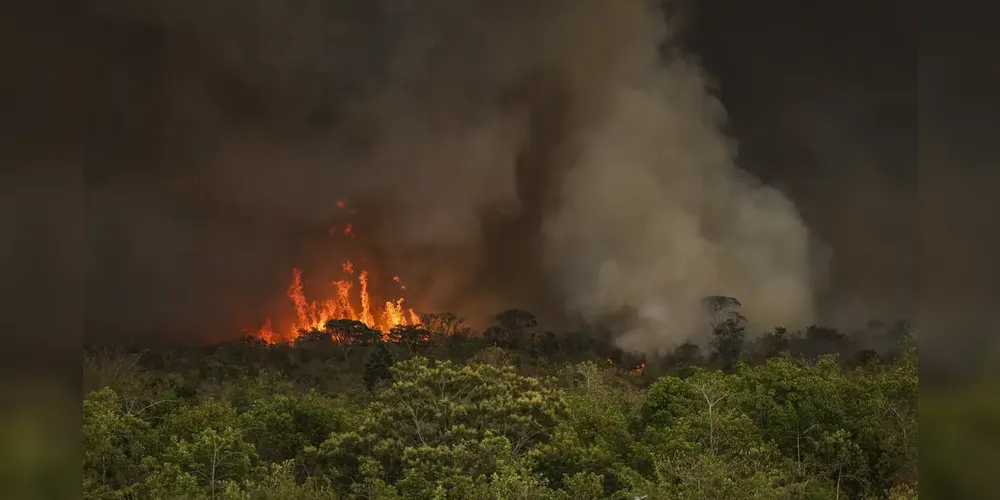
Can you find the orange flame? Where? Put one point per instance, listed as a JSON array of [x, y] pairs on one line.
[[366, 308], [314, 315]]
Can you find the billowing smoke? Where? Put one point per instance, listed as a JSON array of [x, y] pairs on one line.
[[654, 216], [557, 155]]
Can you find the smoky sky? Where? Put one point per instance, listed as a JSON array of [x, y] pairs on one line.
[[219, 137]]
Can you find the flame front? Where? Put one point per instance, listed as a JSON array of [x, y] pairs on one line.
[[314, 315]]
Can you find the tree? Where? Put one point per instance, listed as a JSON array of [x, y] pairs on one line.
[[727, 340], [415, 338], [509, 328], [544, 344], [212, 457], [493, 356], [703, 445], [203, 446], [444, 324], [311, 337], [114, 442], [377, 367], [282, 426], [721, 309], [437, 421], [775, 342], [846, 425], [350, 334], [241, 420], [595, 439], [685, 358]]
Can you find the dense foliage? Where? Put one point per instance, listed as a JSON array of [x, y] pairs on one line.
[[515, 412]]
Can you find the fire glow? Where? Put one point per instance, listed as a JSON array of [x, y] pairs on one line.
[[313, 315]]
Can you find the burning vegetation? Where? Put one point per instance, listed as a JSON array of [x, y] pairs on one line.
[[341, 304]]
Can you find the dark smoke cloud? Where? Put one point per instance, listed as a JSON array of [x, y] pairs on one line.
[[479, 139], [553, 131]]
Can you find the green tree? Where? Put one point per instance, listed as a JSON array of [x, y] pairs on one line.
[[377, 366], [436, 421], [703, 445], [203, 446], [595, 439], [283, 427], [278, 482], [211, 457], [114, 443]]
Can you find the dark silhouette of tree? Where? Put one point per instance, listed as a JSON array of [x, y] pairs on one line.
[[414, 338], [687, 354], [866, 357], [544, 344], [313, 338], [721, 309], [899, 330], [775, 342], [377, 366], [444, 324], [509, 328], [352, 332], [727, 340], [349, 334], [516, 319], [819, 340]]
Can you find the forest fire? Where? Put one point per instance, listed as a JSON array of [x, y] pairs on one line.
[[313, 315]]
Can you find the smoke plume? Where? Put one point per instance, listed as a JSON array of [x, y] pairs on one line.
[[655, 216], [562, 156]]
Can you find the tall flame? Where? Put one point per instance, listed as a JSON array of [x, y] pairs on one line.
[[314, 315]]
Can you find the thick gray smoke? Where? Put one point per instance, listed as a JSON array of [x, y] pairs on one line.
[[504, 153], [655, 216]]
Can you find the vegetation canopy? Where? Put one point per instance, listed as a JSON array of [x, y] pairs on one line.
[[434, 409]]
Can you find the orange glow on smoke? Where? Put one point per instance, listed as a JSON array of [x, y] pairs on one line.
[[313, 315]]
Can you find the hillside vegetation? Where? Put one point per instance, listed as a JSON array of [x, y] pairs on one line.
[[513, 412]]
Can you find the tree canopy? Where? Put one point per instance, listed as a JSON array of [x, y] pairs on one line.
[[441, 411]]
